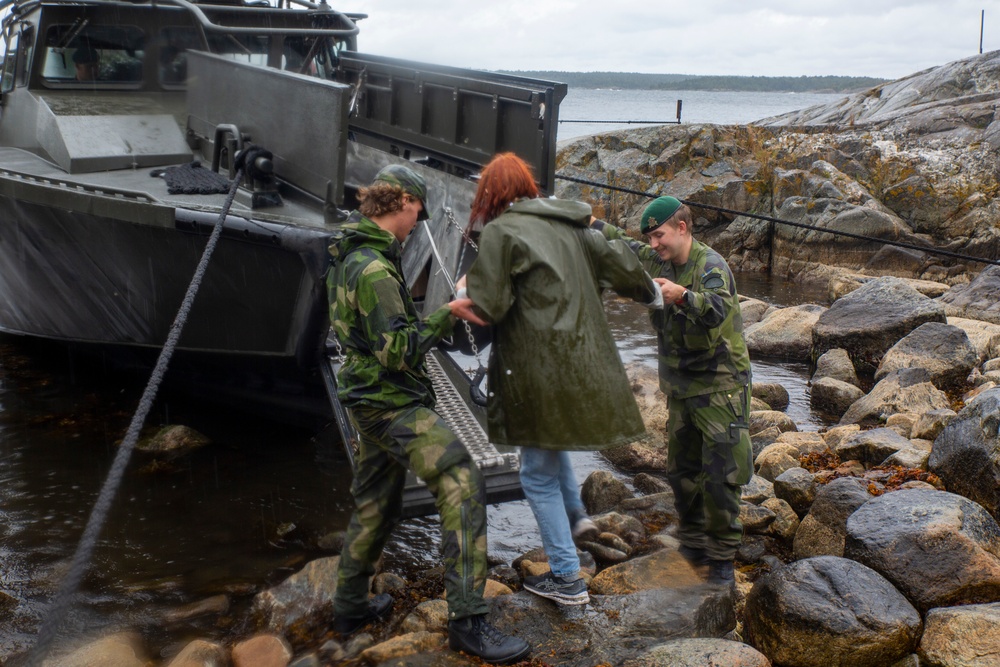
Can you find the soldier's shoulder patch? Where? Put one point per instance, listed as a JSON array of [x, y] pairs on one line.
[[713, 280]]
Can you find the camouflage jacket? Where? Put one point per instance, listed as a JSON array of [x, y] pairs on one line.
[[701, 344], [556, 379], [373, 317]]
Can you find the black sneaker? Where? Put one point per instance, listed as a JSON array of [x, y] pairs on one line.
[[556, 588], [473, 635], [721, 573], [378, 608]]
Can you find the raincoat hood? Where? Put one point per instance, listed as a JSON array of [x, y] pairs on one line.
[[571, 212]]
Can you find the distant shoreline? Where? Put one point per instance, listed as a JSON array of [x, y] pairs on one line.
[[682, 82]]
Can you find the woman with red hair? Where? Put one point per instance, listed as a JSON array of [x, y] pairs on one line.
[[556, 381]]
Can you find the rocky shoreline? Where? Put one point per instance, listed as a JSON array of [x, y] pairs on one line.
[[874, 542]]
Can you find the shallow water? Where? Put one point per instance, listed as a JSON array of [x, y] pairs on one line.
[[230, 519]]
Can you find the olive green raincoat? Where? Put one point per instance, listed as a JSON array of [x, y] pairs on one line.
[[556, 380]]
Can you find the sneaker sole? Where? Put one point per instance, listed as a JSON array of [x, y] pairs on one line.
[[561, 598]]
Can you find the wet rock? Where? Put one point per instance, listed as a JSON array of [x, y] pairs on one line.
[[755, 519], [943, 350], [906, 390], [961, 636], [402, 646], [648, 484], [307, 660], [200, 653], [123, 649], [357, 644], [786, 334], [796, 487], [768, 418], [833, 396], [835, 435], [506, 575], [624, 526], [966, 454], [910, 457], [871, 447], [824, 529], [429, 616], [776, 459], [605, 554], [215, 605], [930, 424], [972, 393], [332, 541], [756, 404], [836, 364], [786, 521], [977, 300], [7, 602], [757, 490], [387, 582], [656, 508], [901, 423], [760, 440], [262, 651], [602, 491], [984, 336], [302, 600], [661, 569], [752, 549], [805, 442], [870, 320], [701, 653], [937, 548], [771, 393], [830, 611], [173, 441], [645, 455], [753, 310]]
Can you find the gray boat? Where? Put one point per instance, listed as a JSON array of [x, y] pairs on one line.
[[120, 123]]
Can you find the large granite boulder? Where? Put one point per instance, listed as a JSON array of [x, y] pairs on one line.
[[833, 396], [300, 602], [984, 336], [942, 349], [870, 320], [122, 649], [977, 300], [836, 364], [796, 487], [966, 454], [937, 548], [701, 653], [871, 447], [906, 390], [830, 611], [785, 333], [823, 531], [961, 636]]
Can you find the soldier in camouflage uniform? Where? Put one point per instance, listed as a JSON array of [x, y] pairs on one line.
[[391, 400], [705, 373]]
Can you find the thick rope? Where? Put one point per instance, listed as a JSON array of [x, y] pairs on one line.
[[800, 225], [81, 559]]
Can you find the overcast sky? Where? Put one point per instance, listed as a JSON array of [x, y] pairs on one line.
[[883, 38]]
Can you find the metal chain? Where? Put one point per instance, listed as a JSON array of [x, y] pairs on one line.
[[468, 239]]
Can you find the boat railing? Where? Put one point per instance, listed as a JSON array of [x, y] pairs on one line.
[[346, 28]]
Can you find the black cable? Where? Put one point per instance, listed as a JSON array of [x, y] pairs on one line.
[[800, 225], [84, 550]]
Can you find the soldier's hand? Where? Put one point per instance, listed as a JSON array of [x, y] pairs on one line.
[[462, 308], [672, 292]]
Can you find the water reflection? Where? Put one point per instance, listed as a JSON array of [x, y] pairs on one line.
[[236, 516]]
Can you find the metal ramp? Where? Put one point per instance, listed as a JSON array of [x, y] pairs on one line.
[[466, 419]]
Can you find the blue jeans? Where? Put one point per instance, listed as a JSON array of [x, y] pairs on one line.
[[550, 487]]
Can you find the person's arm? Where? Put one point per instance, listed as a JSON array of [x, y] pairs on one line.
[[642, 250], [708, 306], [396, 342], [489, 282], [618, 268]]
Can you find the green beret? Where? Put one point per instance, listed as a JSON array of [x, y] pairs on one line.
[[411, 182], [657, 212]]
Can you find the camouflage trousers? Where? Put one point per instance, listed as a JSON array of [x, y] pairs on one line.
[[709, 457], [391, 442]]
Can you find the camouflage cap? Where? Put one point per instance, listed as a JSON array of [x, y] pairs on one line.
[[657, 212], [411, 182]]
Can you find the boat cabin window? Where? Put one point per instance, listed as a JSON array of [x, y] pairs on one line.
[[79, 54], [17, 61]]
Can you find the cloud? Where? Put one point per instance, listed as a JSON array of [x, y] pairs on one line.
[[887, 38]]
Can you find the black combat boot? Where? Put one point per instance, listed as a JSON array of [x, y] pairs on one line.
[[378, 608], [473, 635], [721, 573]]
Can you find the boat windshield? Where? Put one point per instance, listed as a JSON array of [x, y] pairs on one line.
[[94, 55]]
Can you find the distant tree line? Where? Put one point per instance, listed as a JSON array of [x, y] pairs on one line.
[[638, 80]]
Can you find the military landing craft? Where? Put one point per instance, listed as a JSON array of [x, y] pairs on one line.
[[120, 124]]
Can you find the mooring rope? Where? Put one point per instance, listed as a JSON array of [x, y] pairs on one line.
[[779, 221], [84, 550]]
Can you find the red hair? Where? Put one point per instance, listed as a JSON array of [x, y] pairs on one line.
[[503, 181]]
